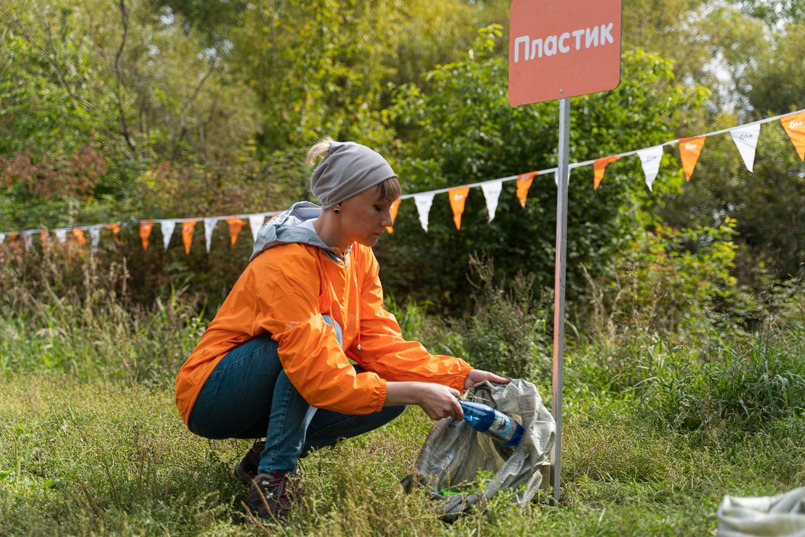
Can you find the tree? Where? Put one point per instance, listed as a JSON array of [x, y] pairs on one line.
[[124, 87], [464, 131], [749, 54]]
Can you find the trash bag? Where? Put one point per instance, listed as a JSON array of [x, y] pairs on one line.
[[782, 515], [462, 467]]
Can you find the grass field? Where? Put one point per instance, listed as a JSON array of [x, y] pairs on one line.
[[657, 430], [106, 456]]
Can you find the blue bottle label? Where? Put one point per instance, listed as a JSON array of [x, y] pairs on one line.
[[502, 426]]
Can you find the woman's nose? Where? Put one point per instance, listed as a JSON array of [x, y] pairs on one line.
[[385, 218]]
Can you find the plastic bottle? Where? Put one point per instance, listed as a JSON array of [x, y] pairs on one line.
[[499, 426]]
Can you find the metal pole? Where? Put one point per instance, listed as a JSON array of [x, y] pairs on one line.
[[559, 290]]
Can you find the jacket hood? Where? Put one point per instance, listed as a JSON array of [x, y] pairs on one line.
[[285, 228]]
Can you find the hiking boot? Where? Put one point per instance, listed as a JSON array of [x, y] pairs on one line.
[[272, 495], [246, 469]]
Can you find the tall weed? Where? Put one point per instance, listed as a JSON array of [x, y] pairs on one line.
[[508, 331], [751, 385], [672, 329], [52, 322]]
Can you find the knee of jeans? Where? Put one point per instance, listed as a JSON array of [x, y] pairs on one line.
[[197, 430]]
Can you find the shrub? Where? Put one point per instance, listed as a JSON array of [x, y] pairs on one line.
[[672, 282]]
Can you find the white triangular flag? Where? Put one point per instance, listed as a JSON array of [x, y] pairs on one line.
[[61, 234], [491, 194], [95, 237], [167, 231], [745, 139], [2, 238], [651, 158], [209, 224], [256, 222], [423, 202], [556, 176], [26, 238]]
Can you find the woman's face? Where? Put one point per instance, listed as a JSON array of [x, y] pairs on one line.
[[364, 218]]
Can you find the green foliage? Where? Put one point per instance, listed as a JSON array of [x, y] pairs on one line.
[[674, 330], [744, 52], [755, 75], [773, 12], [90, 328], [213, 18], [767, 206], [463, 130], [325, 68], [508, 331], [671, 280], [177, 108], [93, 102], [774, 79], [54, 157]]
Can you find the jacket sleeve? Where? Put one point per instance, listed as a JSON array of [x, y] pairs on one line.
[[381, 347], [287, 291]]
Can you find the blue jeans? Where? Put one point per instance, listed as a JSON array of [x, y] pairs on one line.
[[248, 395]]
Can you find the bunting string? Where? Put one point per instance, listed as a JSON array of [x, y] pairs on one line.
[[744, 136]]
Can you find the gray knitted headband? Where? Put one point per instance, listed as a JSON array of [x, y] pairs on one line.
[[348, 169]]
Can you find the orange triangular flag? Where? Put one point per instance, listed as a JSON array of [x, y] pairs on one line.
[[116, 230], [458, 197], [234, 228], [599, 166], [114, 227], [79, 235], [187, 234], [145, 232], [794, 125], [689, 151], [523, 184], [43, 236], [395, 206]]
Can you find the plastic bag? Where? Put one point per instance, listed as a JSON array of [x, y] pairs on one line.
[[454, 454], [780, 516]]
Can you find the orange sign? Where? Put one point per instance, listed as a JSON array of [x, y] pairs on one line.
[[563, 48]]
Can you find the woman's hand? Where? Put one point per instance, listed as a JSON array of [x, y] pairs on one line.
[[436, 400], [440, 401], [478, 375]]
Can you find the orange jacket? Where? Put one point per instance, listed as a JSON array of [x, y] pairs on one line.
[[284, 291]]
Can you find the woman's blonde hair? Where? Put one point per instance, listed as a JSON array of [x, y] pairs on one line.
[[319, 150], [389, 190]]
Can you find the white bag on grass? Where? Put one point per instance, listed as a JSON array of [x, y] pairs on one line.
[[780, 516], [454, 453]]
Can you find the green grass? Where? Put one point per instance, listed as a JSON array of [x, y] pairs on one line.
[[107, 457], [656, 432]]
